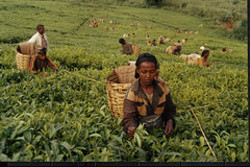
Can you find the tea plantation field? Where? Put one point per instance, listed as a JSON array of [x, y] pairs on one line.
[[66, 117]]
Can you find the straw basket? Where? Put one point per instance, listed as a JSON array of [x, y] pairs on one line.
[[22, 61], [170, 49], [24, 52], [136, 50], [117, 85]]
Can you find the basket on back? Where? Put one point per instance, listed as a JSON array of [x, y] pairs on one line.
[[136, 50], [117, 85], [170, 49], [24, 52]]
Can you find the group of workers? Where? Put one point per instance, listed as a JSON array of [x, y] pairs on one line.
[[173, 49], [93, 23], [147, 101], [161, 40], [127, 47]]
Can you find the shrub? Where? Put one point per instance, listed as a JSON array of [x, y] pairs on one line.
[[184, 5], [226, 18], [235, 2], [241, 31], [153, 2]]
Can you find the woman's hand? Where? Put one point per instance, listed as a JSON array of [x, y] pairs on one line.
[[43, 74], [169, 128], [131, 131]]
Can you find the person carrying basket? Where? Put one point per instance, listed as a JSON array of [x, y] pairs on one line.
[[126, 46], [148, 100]]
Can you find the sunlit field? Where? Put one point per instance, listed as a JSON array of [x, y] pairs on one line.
[[66, 117]]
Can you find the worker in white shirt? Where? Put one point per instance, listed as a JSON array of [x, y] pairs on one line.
[[40, 38]]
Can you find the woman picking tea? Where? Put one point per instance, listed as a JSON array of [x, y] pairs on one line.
[[148, 100]]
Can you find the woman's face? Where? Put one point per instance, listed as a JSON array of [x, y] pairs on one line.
[[147, 72]]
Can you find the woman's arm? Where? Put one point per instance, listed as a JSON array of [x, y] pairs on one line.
[[169, 110], [130, 117], [51, 64], [32, 68], [168, 116]]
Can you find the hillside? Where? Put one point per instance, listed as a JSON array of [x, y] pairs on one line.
[[66, 117], [227, 17]]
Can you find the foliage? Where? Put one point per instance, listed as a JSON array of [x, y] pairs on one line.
[[153, 2], [240, 32], [226, 18], [66, 117], [232, 11]]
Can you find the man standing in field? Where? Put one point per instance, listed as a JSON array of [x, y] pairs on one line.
[[40, 38], [41, 61], [126, 46]]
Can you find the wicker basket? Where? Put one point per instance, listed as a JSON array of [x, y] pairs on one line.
[[24, 52], [170, 49], [22, 61], [117, 85], [136, 50]]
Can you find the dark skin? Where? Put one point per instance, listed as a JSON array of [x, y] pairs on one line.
[[206, 55], [42, 57], [41, 30], [206, 64], [147, 73], [123, 42]]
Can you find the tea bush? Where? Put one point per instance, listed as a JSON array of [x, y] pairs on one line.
[[66, 117]]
